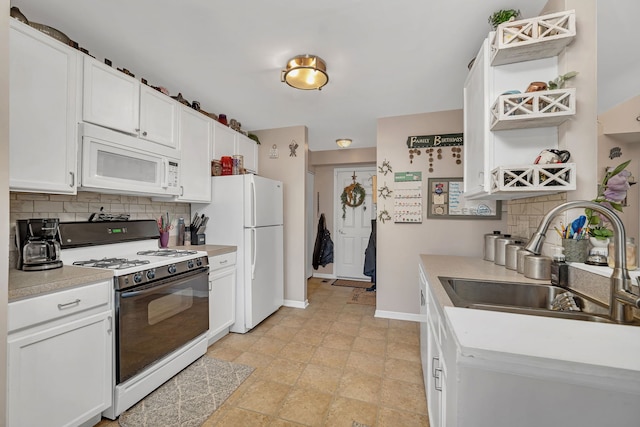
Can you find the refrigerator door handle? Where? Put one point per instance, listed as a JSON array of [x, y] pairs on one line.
[[253, 254], [253, 204]]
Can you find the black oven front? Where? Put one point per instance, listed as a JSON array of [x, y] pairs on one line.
[[157, 318]]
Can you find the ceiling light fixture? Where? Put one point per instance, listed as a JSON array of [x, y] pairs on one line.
[[306, 72], [343, 142]]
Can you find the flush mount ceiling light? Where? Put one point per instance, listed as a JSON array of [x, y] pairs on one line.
[[343, 142], [306, 72]]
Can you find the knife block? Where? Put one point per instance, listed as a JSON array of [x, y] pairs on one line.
[[197, 239]]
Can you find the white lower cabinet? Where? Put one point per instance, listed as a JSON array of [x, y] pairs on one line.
[[222, 295], [60, 364]]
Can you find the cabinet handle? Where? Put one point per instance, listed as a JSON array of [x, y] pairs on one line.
[[181, 190], [73, 179], [437, 384], [144, 133], [110, 325], [68, 304], [224, 262], [423, 300], [210, 285], [435, 361]]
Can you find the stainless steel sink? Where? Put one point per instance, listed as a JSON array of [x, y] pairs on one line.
[[523, 298]]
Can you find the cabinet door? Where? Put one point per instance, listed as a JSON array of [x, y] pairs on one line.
[[158, 117], [248, 148], [110, 98], [224, 141], [195, 168], [222, 301], [43, 121], [60, 376]]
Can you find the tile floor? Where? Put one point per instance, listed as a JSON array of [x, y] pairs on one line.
[[328, 365]]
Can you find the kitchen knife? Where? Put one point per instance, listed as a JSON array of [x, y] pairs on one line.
[[203, 225]]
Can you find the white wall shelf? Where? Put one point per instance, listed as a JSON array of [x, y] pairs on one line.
[[533, 109], [524, 179], [533, 38]]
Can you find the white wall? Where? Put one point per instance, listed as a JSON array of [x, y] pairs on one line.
[[292, 171], [4, 200], [398, 245]]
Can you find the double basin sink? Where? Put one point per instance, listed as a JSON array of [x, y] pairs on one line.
[[523, 298]]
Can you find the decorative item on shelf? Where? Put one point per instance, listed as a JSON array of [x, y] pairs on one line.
[[181, 99], [15, 13], [385, 168], [254, 137], [216, 167], [612, 192], [305, 72], [222, 118], [108, 62], [234, 124], [86, 52], [384, 216], [559, 82], [503, 15], [353, 196], [195, 105], [413, 151], [210, 115], [293, 146], [125, 71], [51, 32], [384, 192], [161, 89], [615, 152]]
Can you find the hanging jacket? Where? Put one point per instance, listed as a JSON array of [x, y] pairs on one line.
[[370, 254], [323, 248]]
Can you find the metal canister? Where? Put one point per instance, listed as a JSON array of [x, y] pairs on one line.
[[537, 267], [522, 253], [501, 246], [511, 255], [490, 245]]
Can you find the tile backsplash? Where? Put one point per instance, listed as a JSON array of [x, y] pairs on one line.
[[79, 207]]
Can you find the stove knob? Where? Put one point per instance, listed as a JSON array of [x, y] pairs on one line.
[[151, 274], [190, 263], [199, 262], [172, 269], [137, 277]]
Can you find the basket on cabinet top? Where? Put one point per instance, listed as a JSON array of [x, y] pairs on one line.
[[554, 177], [533, 38]]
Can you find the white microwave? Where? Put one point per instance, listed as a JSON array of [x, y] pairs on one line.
[[113, 162]]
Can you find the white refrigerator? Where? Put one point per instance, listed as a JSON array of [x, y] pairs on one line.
[[246, 211]]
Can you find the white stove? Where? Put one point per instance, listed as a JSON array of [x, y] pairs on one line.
[[161, 302]]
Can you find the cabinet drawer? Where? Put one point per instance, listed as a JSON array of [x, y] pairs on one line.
[[221, 261], [49, 307]]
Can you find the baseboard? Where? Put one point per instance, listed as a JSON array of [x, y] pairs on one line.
[[324, 276], [296, 304], [399, 316]]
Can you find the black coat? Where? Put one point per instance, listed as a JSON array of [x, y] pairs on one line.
[[323, 248]]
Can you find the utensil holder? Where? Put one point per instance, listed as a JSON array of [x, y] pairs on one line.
[[576, 250]]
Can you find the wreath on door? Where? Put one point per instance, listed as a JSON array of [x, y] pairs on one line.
[[353, 196]]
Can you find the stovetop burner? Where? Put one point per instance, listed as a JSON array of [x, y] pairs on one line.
[[168, 252], [112, 263]]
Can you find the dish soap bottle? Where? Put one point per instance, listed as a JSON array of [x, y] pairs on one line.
[[559, 269]]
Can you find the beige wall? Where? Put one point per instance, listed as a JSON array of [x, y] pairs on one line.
[[292, 171], [4, 199], [398, 245]]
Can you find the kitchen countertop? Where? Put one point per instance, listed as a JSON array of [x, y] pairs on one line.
[[608, 351], [25, 284], [211, 250]]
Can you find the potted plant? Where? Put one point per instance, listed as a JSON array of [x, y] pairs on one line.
[[503, 15], [558, 82]]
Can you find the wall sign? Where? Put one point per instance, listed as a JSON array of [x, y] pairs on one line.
[[446, 201], [442, 140]]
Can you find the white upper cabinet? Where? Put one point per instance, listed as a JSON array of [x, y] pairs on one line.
[[195, 142], [158, 117], [44, 87], [118, 101], [228, 142], [110, 97]]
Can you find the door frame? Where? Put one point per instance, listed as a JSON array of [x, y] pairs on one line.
[[337, 192]]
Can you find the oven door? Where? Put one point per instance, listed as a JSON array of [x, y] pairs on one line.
[[157, 318]]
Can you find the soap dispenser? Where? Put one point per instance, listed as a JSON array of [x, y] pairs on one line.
[[559, 269]]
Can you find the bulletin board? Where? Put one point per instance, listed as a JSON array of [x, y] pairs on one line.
[[445, 200]]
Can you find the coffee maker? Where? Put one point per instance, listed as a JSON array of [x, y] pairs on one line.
[[38, 244]]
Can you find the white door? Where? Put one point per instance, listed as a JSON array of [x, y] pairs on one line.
[[352, 232]]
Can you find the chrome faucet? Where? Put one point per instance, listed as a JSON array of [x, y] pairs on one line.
[[622, 298]]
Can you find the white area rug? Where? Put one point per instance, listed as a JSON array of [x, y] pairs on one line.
[[189, 398]]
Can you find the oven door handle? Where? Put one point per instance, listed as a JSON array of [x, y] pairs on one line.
[[168, 282]]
